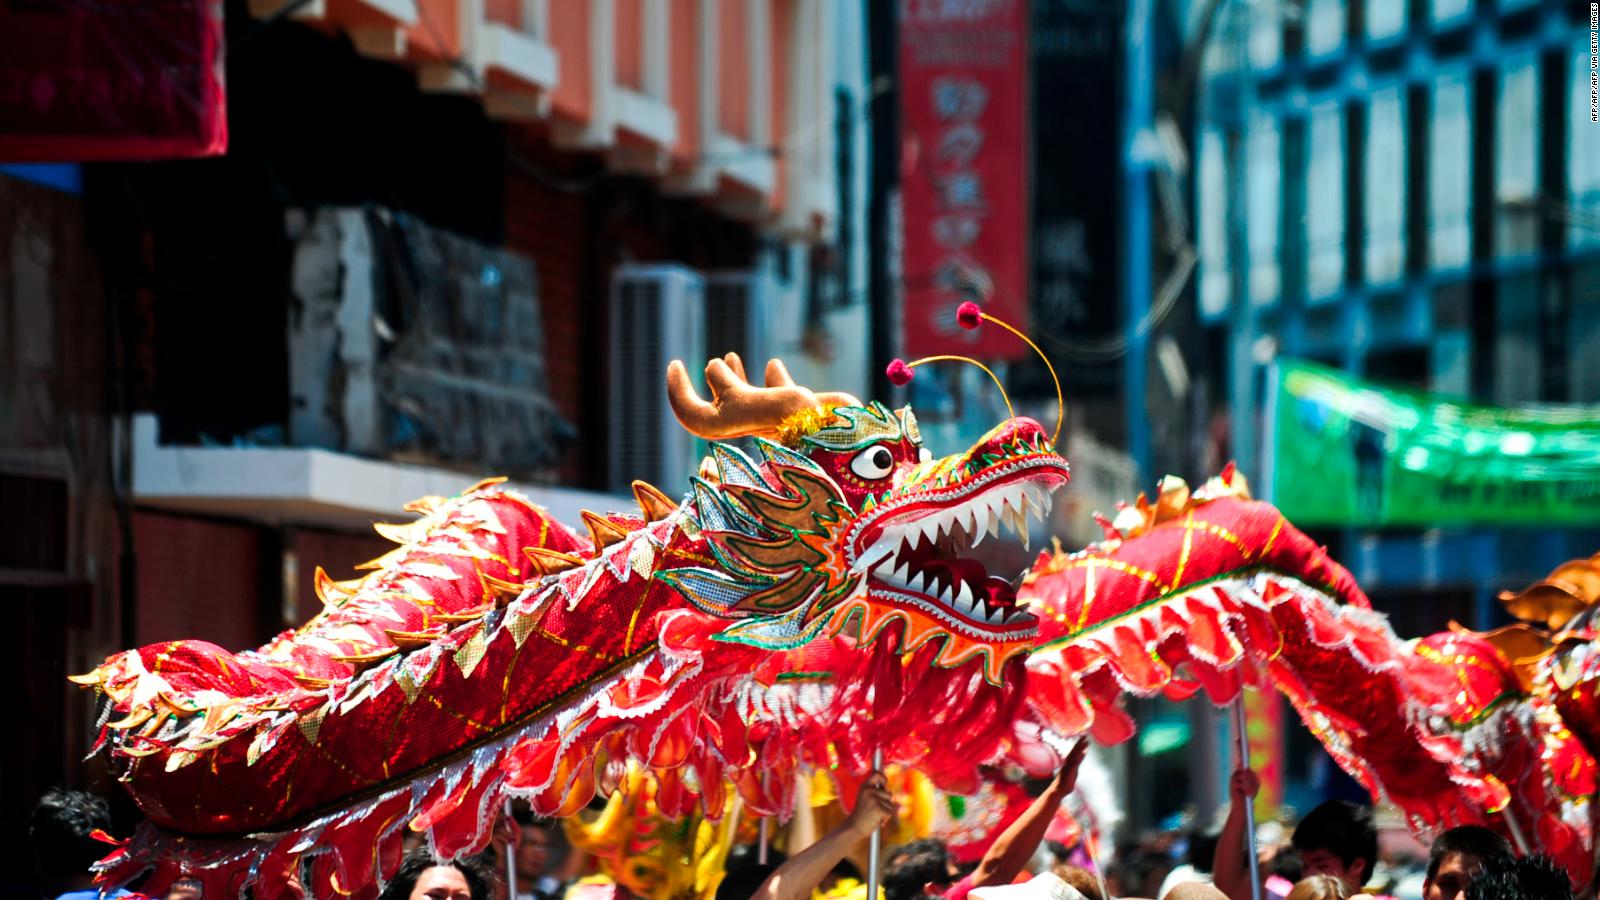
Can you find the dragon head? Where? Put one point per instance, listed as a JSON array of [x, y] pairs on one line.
[[841, 521]]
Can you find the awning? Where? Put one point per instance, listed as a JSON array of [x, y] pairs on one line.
[[307, 486]]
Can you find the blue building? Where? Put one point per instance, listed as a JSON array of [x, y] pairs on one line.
[[1409, 191]]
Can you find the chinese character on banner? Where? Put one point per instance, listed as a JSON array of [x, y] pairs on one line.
[[963, 76]]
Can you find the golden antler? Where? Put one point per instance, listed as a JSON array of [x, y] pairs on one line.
[[738, 408]]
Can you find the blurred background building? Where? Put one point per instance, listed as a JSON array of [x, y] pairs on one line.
[[1408, 191]]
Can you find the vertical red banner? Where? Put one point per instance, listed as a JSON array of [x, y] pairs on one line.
[[964, 171]]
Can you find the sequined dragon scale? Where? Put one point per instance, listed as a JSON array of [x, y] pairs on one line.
[[805, 603]]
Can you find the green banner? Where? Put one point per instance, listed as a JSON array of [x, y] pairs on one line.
[[1348, 452]]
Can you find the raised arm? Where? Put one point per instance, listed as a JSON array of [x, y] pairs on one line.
[[795, 879], [1015, 846], [1230, 871]]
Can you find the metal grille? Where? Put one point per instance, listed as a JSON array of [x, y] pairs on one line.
[[638, 368], [728, 321], [656, 316]]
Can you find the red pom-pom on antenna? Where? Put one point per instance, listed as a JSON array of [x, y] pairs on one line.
[[969, 315], [899, 373]]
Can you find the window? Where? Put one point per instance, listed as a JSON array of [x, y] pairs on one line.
[[1384, 200], [1446, 11], [1324, 223], [1516, 157], [1583, 158], [1516, 341], [1215, 278], [1324, 26], [1264, 190], [1449, 173], [1385, 18], [1583, 348], [1266, 37], [1451, 359]]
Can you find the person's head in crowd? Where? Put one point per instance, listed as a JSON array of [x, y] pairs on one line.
[[1319, 887], [920, 867], [1082, 880], [542, 848], [1528, 878], [1457, 855], [1153, 869], [1338, 838], [421, 877], [61, 829], [743, 882], [1203, 849], [743, 856], [1194, 890], [1286, 864]]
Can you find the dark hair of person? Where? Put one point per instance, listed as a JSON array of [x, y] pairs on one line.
[[1472, 840], [1287, 864], [912, 866], [746, 856], [743, 882], [1203, 849], [59, 829], [1343, 829], [420, 860], [1529, 878]]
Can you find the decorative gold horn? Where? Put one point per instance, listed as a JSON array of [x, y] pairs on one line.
[[778, 376], [738, 408]]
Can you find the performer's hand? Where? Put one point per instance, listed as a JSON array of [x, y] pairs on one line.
[[1067, 777], [874, 806], [1243, 785], [507, 838]]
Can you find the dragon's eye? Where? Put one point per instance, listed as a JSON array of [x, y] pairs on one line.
[[924, 455], [873, 463]]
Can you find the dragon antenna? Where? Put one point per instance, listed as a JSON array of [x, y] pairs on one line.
[[900, 373], [970, 316]]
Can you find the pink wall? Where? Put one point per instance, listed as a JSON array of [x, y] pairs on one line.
[[506, 12], [628, 40], [437, 20], [683, 68], [573, 98], [733, 69]]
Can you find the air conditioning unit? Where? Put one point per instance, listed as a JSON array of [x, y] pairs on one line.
[[657, 315], [738, 320]]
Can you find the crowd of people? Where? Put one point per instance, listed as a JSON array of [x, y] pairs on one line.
[[1333, 854]]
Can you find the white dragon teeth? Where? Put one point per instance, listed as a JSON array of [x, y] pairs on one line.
[[964, 598]]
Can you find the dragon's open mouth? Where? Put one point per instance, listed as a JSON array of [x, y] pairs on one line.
[[913, 557]]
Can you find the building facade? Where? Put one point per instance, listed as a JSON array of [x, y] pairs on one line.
[[1408, 190]]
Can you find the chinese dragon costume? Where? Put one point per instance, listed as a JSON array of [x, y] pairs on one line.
[[805, 604]]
